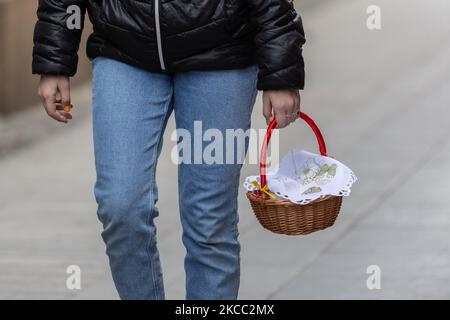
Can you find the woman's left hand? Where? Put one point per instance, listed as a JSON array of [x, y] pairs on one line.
[[283, 105]]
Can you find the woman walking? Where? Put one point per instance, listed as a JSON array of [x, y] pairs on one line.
[[204, 60]]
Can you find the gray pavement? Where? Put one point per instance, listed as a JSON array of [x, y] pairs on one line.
[[381, 99]]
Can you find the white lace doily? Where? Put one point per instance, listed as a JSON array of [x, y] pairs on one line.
[[302, 177]]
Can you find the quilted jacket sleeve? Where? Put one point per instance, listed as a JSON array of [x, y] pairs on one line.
[[279, 44], [57, 36]]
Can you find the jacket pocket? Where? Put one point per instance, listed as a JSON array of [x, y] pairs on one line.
[[135, 16]]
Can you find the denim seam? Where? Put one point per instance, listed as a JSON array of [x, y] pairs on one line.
[[150, 214], [237, 218]]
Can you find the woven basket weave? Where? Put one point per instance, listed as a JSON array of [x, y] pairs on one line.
[[285, 217]]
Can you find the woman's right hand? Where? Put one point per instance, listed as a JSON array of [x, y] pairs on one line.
[[54, 92]]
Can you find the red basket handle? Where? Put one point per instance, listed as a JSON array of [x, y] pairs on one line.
[[272, 125]]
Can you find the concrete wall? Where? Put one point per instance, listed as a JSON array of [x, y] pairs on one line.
[[18, 86]]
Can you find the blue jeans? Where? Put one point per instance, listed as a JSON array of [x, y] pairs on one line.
[[131, 107]]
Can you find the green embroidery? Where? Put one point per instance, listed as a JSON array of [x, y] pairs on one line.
[[313, 172], [312, 190], [331, 170]]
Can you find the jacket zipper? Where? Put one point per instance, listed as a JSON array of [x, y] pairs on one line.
[[158, 36]]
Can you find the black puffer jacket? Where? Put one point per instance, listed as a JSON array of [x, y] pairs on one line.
[[177, 35]]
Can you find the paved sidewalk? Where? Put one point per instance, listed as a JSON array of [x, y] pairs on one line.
[[381, 99]]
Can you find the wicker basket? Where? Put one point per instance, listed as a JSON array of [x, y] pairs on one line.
[[284, 217]]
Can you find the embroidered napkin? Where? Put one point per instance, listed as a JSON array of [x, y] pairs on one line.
[[302, 177]]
